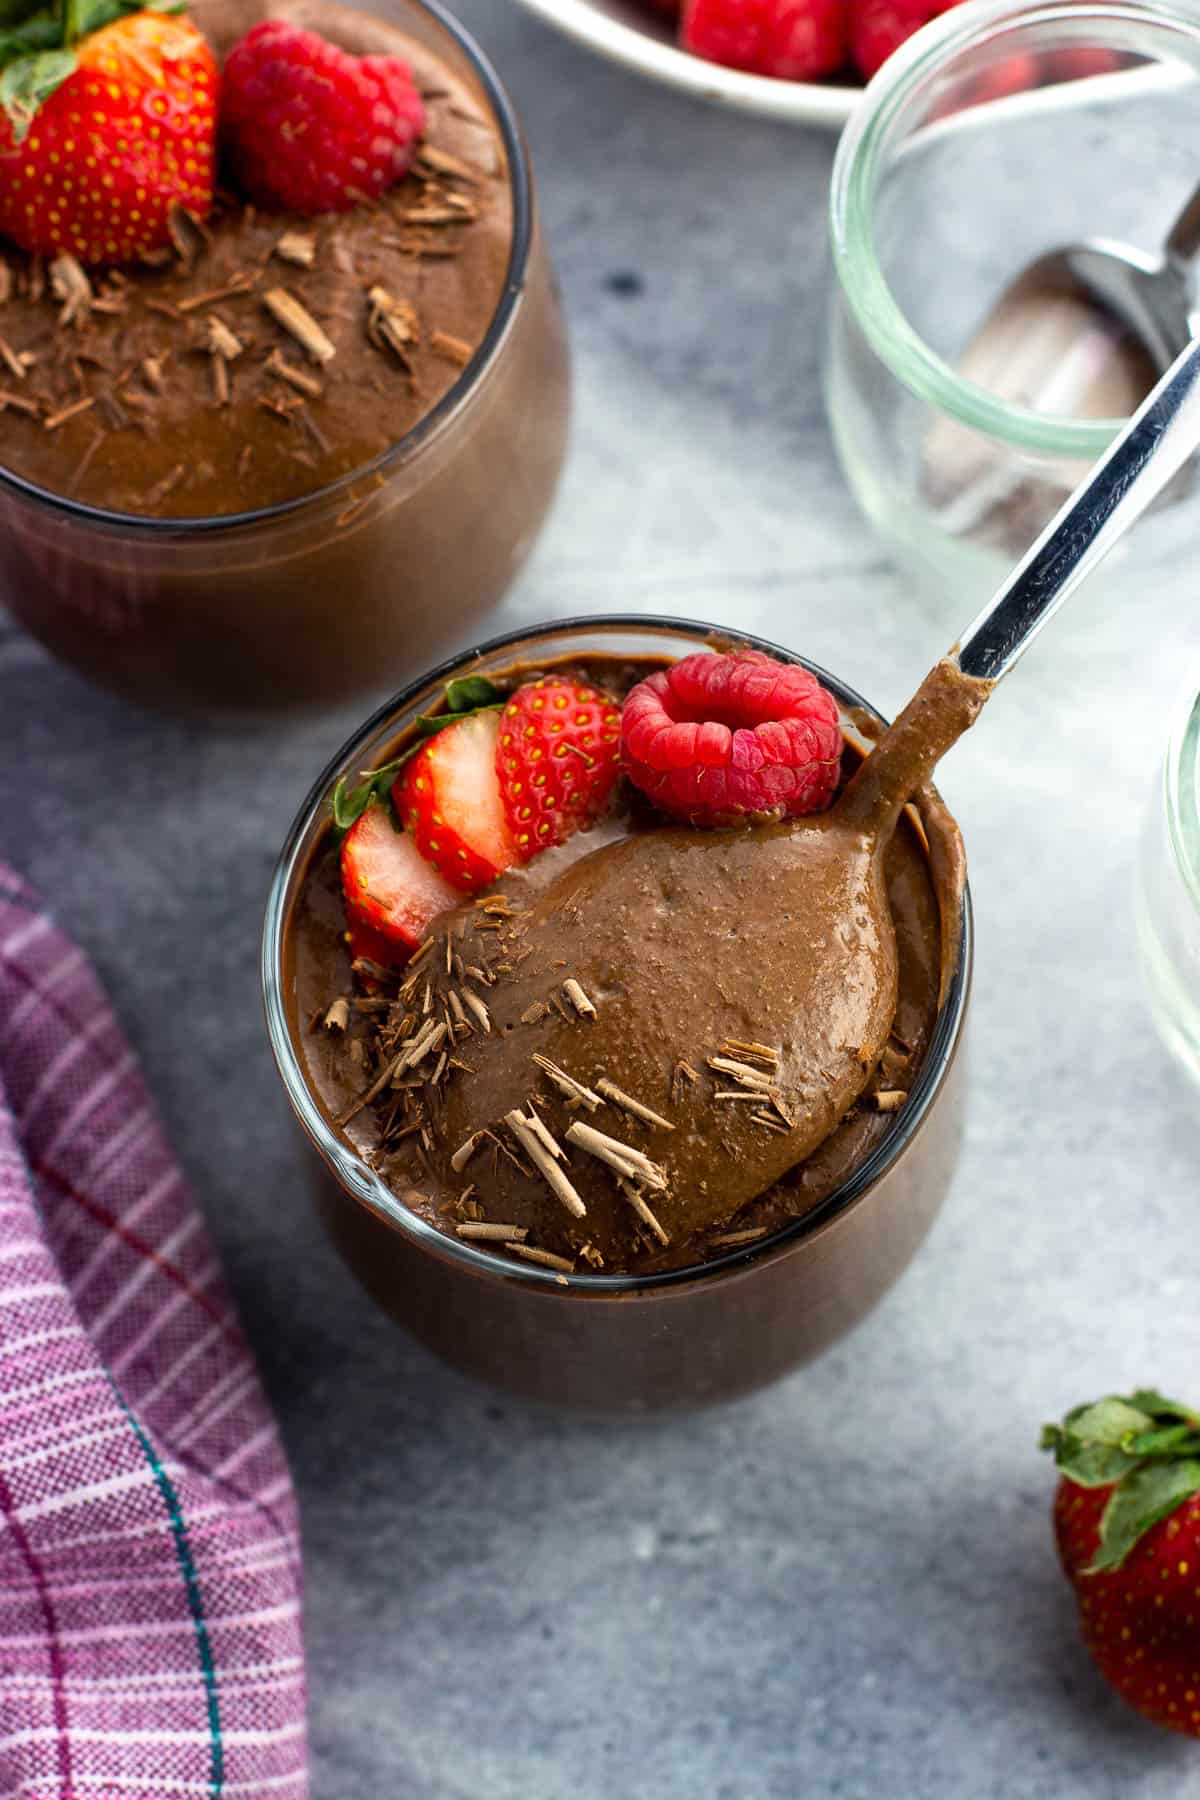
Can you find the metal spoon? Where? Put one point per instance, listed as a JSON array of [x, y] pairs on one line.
[[1083, 332]]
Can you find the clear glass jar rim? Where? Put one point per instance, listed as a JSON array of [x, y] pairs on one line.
[[439, 416], [348, 1168], [1182, 779], [857, 166]]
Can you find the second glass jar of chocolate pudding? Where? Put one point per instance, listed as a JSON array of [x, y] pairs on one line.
[[273, 524], [556, 1136]]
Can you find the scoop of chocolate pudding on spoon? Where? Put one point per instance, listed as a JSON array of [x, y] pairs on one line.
[[767, 955]]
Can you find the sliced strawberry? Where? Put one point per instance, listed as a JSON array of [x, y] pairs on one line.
[[389, 887], [557, 760], [449, 799]]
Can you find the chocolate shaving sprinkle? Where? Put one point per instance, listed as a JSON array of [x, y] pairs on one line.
[[455, 350], [187, 234], [578, 999], [70, 284], [84, 463], [297, 247], [6, 281], [170, 481], [152, 373], [492, 1234], [642, 1210], [546, 1257], [221, 341], [624, 1158], [572, 1090], [890, 1100], [393, 323], [442, 163], [727, 1239], [531, 1134], [11, 360], [338, 1016], [18, 403], [445, 213], [67, 412], [236, 285], [475, 1005], [628, 1104], [303, 382], [220, 379], [296, 319], [466, 1151]]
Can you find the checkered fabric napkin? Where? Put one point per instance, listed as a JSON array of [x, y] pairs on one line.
[[150, 1640]]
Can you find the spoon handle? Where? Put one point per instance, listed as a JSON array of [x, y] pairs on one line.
[[1153, 447]]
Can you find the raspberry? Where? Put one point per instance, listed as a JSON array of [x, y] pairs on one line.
[[792, 39], [311, 128], [557, 760], [877, 27], [714, 739]]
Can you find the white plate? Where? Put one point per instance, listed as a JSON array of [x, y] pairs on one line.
[[628, 34]]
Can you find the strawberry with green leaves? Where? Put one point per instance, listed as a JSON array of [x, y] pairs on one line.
[[1127, 1521], [107, 123]]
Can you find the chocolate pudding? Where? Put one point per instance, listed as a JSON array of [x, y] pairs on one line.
[[557, 1029], [300, 421]]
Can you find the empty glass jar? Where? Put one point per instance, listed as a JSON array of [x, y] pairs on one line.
[[1001, 132]]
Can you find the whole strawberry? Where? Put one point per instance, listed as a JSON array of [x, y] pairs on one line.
[[309, 127], [794, 40], [94, 163], [716, 739], [1127, 1521]]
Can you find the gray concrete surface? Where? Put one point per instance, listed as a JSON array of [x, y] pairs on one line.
[[844, 1587]]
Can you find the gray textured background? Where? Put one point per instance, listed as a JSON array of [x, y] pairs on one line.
[[845, 1586]]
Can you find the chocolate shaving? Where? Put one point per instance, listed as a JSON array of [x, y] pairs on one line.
[[18, 403], [15, 364], [531, 1135], [624, 1158], [6, 282], [890, 1100], [727, 1239], [299, 379], [546, 1257], [187, 234], [220, 379], [393, 323], [70, 284], [299, 322], [628, 1104], [642, 1210], [221, 341], [297, 247], [338, 1016], [236, 285], [85, 462], [67, 412], [170, 481], [437, 214], [579, 1000], [442, 163], [454, 349], [152, 373], [492, 1234]]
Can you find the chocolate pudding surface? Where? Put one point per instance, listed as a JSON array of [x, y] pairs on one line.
[[735, 1175], [133, 406]]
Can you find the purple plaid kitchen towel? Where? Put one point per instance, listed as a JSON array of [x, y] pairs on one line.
[[150, 1639]]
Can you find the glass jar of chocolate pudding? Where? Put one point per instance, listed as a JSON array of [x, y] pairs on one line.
[[206, 506], [438, 1215]]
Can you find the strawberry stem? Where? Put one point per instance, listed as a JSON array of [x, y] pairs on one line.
[[1144, 1447]]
